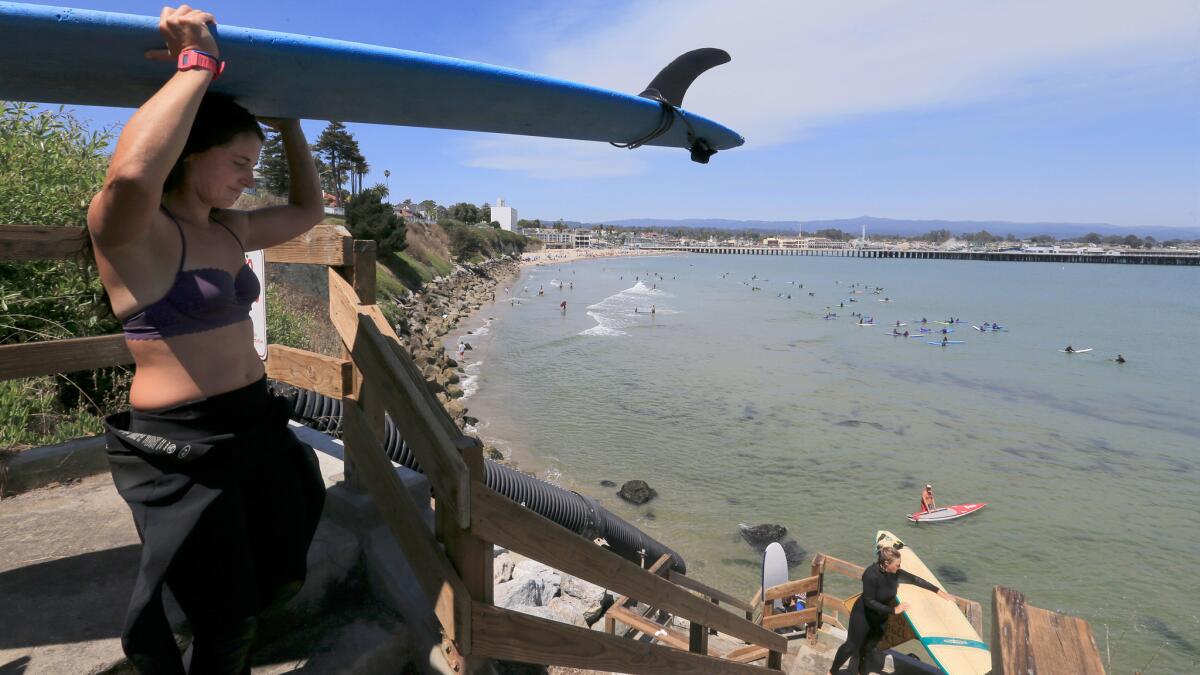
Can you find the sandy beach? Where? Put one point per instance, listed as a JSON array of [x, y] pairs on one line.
[[559, 256]]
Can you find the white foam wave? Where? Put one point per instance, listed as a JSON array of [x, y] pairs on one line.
[[625, 309], [470, 383]]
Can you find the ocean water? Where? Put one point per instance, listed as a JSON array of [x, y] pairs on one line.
[[745, 406]]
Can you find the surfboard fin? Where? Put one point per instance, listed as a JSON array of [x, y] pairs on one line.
[[672, 82], [668, 88]]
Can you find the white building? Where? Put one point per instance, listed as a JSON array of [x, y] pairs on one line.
[[505, 215]]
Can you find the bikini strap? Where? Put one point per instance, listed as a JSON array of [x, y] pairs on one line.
[[239, 239], [182, 239]]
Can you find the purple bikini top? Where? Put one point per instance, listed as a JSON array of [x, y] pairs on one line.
[[199, 300]]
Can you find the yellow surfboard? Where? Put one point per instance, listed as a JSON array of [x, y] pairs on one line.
[[938, 623]]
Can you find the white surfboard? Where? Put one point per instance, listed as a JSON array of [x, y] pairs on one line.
[[774, 570]]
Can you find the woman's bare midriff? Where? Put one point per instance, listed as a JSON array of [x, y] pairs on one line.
[[191, 367]]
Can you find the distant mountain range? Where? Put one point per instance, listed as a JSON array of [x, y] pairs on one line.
[[908, 228]]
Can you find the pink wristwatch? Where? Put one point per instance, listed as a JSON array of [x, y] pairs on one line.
[[190, 59]]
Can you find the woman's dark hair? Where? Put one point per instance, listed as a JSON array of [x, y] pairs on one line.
[[218, 120]]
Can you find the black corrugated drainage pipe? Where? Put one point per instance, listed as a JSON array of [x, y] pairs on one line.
[[580, 514]]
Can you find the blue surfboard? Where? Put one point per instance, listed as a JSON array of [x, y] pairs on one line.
[[83, 57]]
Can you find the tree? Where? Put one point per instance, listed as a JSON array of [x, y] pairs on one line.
[[465, 212], [560, 225], [337, 147], [1091, 238], [1043, 239], [369, 217], [272, 165], [1150, 242], [1132, 241]]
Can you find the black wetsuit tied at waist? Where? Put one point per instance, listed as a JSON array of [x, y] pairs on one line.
[[226, 500]]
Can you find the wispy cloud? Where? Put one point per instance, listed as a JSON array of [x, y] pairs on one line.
[[799, 66], [550, 158]]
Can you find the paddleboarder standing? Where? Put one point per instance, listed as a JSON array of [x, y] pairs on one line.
[[927, 503]]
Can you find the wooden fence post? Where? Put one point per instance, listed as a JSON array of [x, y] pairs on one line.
[[360, 272], [814, 596], [471, 556]]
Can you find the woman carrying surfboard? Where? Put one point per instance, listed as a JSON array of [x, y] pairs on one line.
[[225, 498], [872, 608]]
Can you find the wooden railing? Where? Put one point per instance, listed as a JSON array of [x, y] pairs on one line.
[[453, 564]]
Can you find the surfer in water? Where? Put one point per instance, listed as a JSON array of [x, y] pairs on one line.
[[1119, 359], [927, 503], [1069, 349], [226, 521], [562, 306], [872, 609]]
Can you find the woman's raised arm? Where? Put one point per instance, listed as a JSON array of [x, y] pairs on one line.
[[154, 137]]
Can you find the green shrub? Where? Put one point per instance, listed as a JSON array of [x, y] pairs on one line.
[[50, 166]]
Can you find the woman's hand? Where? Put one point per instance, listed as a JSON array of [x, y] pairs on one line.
[[280, 124], [184, 28], [901, 608]]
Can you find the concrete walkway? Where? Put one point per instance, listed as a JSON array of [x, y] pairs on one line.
[[69, 557]]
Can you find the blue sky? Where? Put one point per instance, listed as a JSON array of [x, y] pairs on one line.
[[1075, 111]]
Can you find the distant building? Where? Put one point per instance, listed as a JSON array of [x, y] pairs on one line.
[[505, 215]]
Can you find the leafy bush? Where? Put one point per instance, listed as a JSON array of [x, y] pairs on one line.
[[50, 166]]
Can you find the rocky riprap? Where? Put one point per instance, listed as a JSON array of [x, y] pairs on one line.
[[427, 315]]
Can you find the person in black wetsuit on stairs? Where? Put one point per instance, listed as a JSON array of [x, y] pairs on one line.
[[874, 606]]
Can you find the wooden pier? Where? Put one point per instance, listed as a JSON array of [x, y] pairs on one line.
[[1124, 258]]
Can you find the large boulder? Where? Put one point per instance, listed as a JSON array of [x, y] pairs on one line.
[[585, 591], [550, 579], [796, 555], [637, 491], [523, 592], [760, 536], [568, 611]]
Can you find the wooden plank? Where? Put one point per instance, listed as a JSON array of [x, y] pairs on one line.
[[786, 619], [1029, 640], [693, 585], [1062, 643], [648, 627], [435, 449], [833, 602], [322, 245], [471, 556], [434, 573], [747, 654], [23, 243], [797, 587], [31, 359], [502, 521], [421, 423], [364, 270], [896, 631], [842, 567], [504, 634], [320, 373], [973, 611]]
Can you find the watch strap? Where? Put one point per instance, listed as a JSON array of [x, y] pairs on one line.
[[190, 59]]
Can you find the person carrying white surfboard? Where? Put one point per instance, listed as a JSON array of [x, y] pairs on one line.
[[872, 608]]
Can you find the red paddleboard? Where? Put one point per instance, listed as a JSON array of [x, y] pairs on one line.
[[945, 513]]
